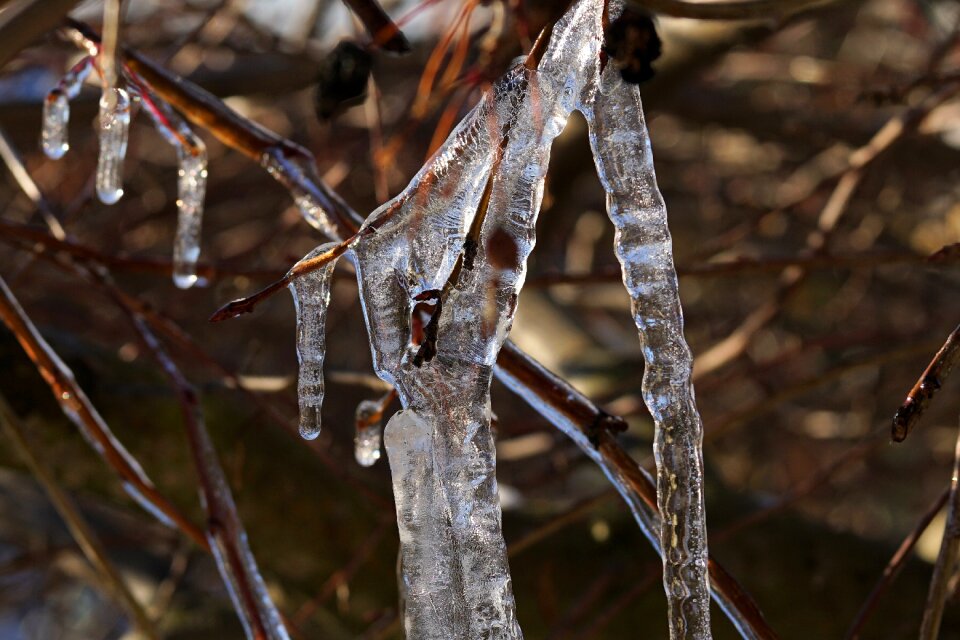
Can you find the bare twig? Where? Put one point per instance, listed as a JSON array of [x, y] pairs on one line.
[[732, 9], [76, 406], [385, 33], [946, 562], [892, 570], [81, 531], [931, 380], [23, 23]]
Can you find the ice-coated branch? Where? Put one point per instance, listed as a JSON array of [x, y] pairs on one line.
[[929, 383]]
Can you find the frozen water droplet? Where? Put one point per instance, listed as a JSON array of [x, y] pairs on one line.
[[368, 433], [311, 295], [56, 118], [114, 125]]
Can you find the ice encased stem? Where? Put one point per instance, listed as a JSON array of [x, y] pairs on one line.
[[311, 296], [191, 189], [114, 125], [621, 150], [56, 110]]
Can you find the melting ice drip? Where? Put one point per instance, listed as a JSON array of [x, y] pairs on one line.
[[458, 237], [114, 124]]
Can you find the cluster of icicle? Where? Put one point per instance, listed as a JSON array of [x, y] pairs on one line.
[[116, 103], [453, 247]]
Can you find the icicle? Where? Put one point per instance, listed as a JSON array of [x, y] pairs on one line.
[[311, 295], [191, 188], [114, 124], [621, 150], [56, 110], [368, 431]]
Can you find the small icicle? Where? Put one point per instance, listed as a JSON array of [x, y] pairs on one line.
[[311, 295], [56, 110], [369, 431], [114, 124], [191, 188], [56, 117]]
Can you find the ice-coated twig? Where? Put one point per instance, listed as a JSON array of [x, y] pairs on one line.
[[621, 151], [311, 296], [56, 109], [927, 386]]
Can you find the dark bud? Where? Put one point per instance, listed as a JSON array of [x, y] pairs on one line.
[[342, 81], [631, 41]]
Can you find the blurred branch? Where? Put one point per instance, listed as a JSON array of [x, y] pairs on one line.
[[732, 10], [23, 23], [225, 531], [76, 406], [81, 531], [930, 382], [19, 171], [892, 570], [385, 33], [946, 562]]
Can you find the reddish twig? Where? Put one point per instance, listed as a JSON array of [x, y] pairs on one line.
[[931, 380]]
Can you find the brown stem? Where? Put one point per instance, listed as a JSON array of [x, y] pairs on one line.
[[931, 380]]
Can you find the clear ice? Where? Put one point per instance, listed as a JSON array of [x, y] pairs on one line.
[[56, 110], [311, 296], [114, 125], [621, 150], [366, 440], [440, 268]]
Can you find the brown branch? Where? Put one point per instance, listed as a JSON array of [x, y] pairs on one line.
[[21, 25], [81, 531], [892, 570], [76, 406], [384, 31], [224, 528], [931, 380]]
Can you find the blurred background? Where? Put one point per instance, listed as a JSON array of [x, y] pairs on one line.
[[811, 318]]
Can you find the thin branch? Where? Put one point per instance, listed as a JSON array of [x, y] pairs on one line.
[[931, 380], [81, 531], [76, 406], [892, 570], [23, 23], [385, 33], [946, 562]]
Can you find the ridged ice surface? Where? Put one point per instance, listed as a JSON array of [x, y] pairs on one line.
[[113, 125], [311, 296], [56, 110], [283, 166], [621, 150], [452, 249], [366, 439]]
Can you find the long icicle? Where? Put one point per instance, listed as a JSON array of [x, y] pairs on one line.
[[311, 296], [56, 110], [621, 150]]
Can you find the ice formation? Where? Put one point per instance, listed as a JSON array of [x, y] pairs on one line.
[[440, 268], [114, 125], [621, 150], [56, 109], [369, 430], [311, 296]]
